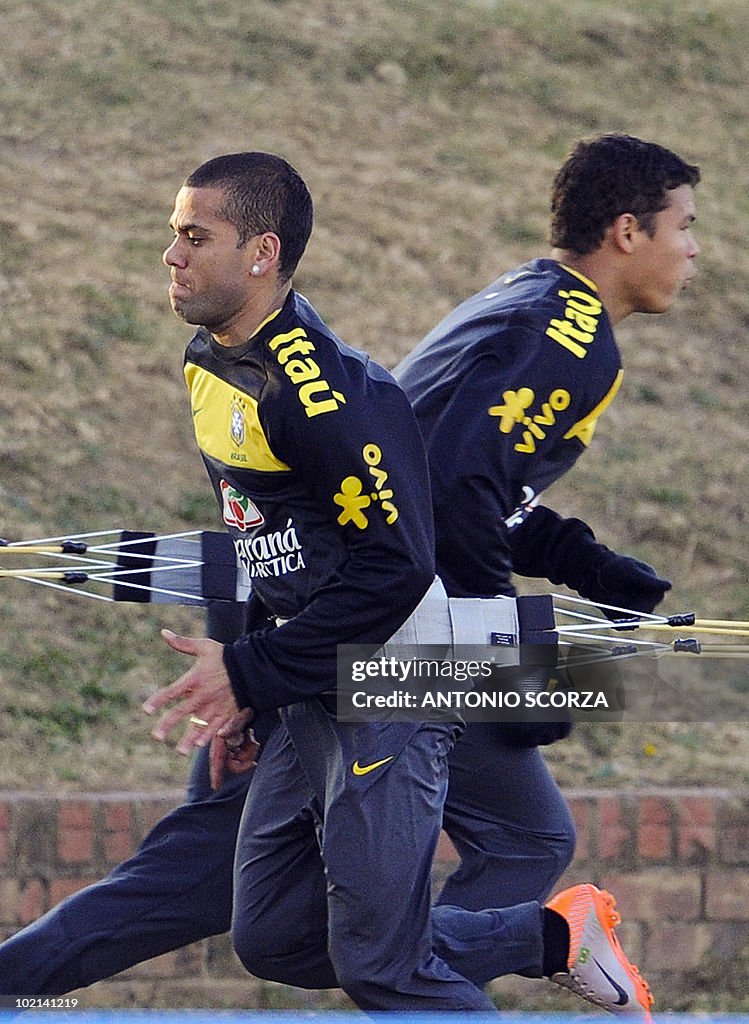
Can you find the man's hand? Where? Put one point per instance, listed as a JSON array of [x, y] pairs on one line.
[[203, 695], [566, 551], [233, 748], [626, 582]]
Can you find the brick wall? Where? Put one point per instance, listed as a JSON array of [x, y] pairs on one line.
[[676, 859]]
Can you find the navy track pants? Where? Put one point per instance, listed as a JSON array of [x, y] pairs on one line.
[[504, 813]]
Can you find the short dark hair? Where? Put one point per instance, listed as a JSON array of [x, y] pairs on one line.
[[263, 193], [607, 176]]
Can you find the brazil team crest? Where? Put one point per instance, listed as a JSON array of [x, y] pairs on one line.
[[237, 429]]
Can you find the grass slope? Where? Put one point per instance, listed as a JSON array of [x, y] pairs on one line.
[[428, 133]]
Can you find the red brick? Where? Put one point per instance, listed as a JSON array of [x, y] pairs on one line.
[[727, 896], [654, 836], [75, 814], [118, 831], [654, 842], [118, 816], [654, 810], [75, 838], [656, 895], [677, 946], [613, 831], [75, 846]]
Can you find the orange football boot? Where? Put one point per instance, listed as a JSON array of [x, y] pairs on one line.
[[598, 969]]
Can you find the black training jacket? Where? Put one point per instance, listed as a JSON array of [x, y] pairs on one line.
[[507, 391], [318, 466]]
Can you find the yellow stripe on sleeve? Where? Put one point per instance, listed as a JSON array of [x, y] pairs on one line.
[[586, 427]]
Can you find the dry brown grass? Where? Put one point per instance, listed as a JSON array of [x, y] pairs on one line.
[[428, 133]]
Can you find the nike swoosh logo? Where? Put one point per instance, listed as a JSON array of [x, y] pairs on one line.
[[196, 411], [359, 769], [623, 997]]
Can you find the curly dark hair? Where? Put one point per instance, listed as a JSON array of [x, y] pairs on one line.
[[263, 193], [607, 176]]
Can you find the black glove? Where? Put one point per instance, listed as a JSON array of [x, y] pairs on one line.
[[566, 551], [626, 583]]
